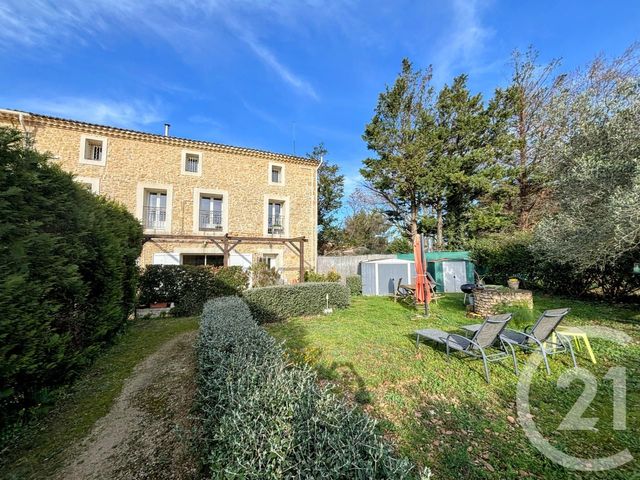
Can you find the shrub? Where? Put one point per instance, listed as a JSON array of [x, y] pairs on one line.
[[280, 302], [312, 276], [189, 286], [68, 274], [500, 257], [263, 276], [263, 418], [354, 284]]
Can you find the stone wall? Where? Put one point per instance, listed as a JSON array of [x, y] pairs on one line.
[[136, 161], [486, 301]]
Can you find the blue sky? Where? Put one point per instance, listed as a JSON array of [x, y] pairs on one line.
[[259, 74]]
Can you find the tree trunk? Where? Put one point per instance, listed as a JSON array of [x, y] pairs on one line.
[[440, 229], [414, 221], [523, 193]]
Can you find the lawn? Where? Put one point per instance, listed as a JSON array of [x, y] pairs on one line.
[[443, 414], [41, 448]]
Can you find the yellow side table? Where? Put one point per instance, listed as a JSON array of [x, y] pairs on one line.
[[577, 335]]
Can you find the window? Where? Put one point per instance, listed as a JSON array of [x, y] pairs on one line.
[[270, 259], [91, 184], [276, 173], [93, 150], [275, 217], [210, 212], [191, 163], [213, 260], [155, 210]]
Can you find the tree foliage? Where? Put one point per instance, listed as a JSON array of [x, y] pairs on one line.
[[68, 274], [524, 121], [596, 167], [330, 193], [396, 174]]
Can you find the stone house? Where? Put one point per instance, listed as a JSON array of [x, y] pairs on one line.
[[199, 202]]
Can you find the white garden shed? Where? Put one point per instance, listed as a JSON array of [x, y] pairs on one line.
[[381, 277]]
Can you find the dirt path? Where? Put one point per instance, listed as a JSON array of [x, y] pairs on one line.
[[147, 432]]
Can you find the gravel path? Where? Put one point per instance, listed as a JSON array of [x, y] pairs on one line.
[[147, 434]]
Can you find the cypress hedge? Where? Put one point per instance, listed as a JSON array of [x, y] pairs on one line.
[[68, 275], [263, 418], [279, 302]]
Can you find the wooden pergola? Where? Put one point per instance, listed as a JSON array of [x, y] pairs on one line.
[[228, 243]]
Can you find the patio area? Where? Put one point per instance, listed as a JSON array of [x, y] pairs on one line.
[[443, 414]]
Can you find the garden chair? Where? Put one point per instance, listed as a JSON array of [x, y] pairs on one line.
[[486, 336], [402, 293], [543, 337]]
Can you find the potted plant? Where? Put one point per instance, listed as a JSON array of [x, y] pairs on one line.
[[513, 283]]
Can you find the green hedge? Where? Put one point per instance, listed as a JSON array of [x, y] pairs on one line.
[[263, 418], [271, 304], [354, 283], [311, 276], [188, 286], [499, 257], [68, 275]]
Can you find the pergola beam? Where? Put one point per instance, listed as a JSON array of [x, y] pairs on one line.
[[224, 244]]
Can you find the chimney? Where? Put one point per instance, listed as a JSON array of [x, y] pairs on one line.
[[166, 129]]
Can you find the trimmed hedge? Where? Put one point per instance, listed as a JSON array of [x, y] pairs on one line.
[[189, 286], [68, 275], [272, 304], [354, 283], [263, 418]]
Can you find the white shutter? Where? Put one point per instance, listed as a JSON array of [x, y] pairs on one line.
[[243, 260], [166, 258]]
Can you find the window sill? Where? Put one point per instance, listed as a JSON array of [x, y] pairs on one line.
[[96, 163]]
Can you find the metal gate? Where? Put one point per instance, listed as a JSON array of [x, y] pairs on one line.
[[455, 275]]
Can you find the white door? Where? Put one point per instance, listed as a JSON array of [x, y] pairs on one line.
[[455, 275]]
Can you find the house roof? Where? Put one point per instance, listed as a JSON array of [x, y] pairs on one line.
[[136, 134]]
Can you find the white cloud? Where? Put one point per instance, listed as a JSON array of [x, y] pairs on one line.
[[464, 44], [131, 114], [186, 26], [271, 61]]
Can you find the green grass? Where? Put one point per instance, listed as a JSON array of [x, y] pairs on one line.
[[41, 447], [443, 414]]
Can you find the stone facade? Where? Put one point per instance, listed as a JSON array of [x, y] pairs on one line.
[[132, 165], [486, 300]]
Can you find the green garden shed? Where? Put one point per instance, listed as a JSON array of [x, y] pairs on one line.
[[450, 270]]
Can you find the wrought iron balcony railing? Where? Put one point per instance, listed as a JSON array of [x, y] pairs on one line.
[[210, 220], [276, 224], [155, 218]]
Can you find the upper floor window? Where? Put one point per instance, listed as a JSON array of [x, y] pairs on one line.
[[93, 150], [191, 163], [210, 212], [275, 217], [276, 174], [155, 210]]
